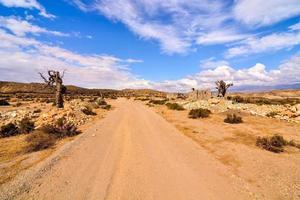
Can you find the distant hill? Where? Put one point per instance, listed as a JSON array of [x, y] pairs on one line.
[[40, 88], [273, 94], [144, 92], [261, 88]]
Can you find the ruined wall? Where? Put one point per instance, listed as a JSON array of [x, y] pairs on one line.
[[176, 96], [199, 95]]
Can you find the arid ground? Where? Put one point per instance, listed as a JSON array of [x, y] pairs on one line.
[[142, 152]]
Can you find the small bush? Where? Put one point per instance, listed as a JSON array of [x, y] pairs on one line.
[[4, 102], [199, 113], [236, 99], [9, 130], [142, 98], [39, 141], [106, 107], [158, 102], [26, 126], [88, 110], [275, 144], [272, 114], [174, 106], [61, 129], [233, 119], [101, 102], [37, 111]]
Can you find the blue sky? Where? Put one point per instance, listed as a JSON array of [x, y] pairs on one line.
[[167, 45]]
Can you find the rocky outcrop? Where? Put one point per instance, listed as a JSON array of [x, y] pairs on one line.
[[45, 114], [216, 105]]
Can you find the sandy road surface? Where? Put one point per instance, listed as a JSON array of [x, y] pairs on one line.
[[135, 154]]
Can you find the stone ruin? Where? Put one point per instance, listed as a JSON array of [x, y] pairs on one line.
[[192, 96], [199, 95]]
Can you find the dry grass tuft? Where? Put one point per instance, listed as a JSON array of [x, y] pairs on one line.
[[275, 144], [39, 141], [62, 128], [174, 106], [199, 113], [233, 119]]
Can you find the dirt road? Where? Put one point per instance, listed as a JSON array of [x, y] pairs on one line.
[[135, 154]]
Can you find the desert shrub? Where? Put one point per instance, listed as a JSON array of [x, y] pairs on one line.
[[142, 98], [37, 111], [275, 144], [61, 129], [158, 102], [100, 102], [233, 119], [88, 110], [106, 107], [39, 140], [174, 106], [26, 125], [264, 101], [8, 130], [236, 99], [272, 114], [4, 102], [199, 113]]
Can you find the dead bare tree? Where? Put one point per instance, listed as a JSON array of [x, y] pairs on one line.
[[55, 80], [222, 88]]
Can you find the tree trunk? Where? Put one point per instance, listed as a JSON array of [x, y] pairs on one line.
[[59, 95]]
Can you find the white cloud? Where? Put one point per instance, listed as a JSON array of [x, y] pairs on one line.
[[220, 37], [268, 43], [285, 74], [264, 12], [179, 28], [21, 27], [29, 4], [295, 27], [21, 58], [212, 63]]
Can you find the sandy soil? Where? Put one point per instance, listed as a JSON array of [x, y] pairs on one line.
[[270, 175], [134, 153]]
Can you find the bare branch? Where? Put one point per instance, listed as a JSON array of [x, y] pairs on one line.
[[46, 81], [62, 76]]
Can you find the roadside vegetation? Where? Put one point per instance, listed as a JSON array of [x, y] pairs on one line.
[[275, 143], [12, 129], [233, 119], [158, 102], [199, 113], [174, 106]]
